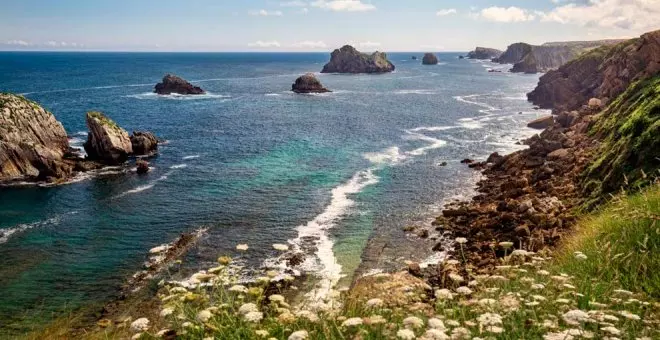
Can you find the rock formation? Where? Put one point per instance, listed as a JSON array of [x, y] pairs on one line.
[[173, 84], [483, 53], [349, 60], [144, 143], [106, 141], [541, 123], [142, 166], [430, 59], [308, 83], [602, 73], [528, 58], [414, 57], [32, 142]]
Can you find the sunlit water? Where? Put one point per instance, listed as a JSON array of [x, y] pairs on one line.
[[250, 160]]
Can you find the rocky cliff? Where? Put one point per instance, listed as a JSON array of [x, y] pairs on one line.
[[602, 73], [484, 53], [430, 59], [173, 84], [32, 142], [528, 58], [106, 141], [349, 60]]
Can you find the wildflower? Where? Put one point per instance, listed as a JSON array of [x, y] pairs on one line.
[[510, 303], [464, 290], [460, 333], [299, 335], [453, 323], [288, 278], [520, 252], [166, 311], [569, 286], [489, 319], [444, 294], [492, 290], [538, 286], [473, 283], [526, 280], [568, 334], [452, 262], [497, 278], [280, 247], [224, 260], [559, 278], [204, 315], [563, 301], [611, 330], [242, 247], [405, 334], [238, 289], [277, 298], [549, 324], [375, 303], [351, 322], [580, 256], [487, 302], [436, 323], [611, 318], [263, 280], [543, 272], [461, 240], [286, 317], [255, 291], [248, 308], [374, 320], [506, 245], [503, 267], [597, 304], [456, 278], [434, 334], [140, 325], [413, 322], [622, 292], [254, 316], [494, 329], [532, 303], [629, 315], [305, 314], [575, 317], [539, 297], [262, 333]]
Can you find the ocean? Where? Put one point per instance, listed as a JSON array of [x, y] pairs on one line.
[[249, 161]]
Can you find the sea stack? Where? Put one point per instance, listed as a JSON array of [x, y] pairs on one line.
[[308, 83], [32, 142], [430, 59], [144, 143], [173, 84], [349, 60], [484, 53], [106, 142]]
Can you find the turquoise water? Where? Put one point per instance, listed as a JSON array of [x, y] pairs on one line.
[[250, 161]]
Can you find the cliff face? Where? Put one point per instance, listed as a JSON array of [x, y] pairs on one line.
[[349, 60], [106, 142], [32, 141], [484, 53], [602, 73]]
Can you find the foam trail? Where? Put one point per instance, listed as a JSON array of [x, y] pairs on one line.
[[174, 96], [390, 155], [434, 143], [87, 88], [142, 188], [7, 233], [179, 166], [466, 99], [190, 157]]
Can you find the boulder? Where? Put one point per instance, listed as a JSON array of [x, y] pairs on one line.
[[430, 59], [144, 143], [173, 84], [106, 141], [308, 83], [349, 60], [32, 142], [142, 166], [541, 123], [595, 103]]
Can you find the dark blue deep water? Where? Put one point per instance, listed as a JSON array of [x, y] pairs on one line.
[[250, 161]]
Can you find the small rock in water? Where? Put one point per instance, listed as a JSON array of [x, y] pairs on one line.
[[142, 166], [467, 161]]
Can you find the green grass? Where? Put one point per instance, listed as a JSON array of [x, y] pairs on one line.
[[609, 269], [104, 120]]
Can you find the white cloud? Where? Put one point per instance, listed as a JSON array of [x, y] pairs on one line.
[[310, 44], [18, 43], [638, 15], [265, 13], [444, 12], [344, 5], [365, 44], [62, 44], [503, 14], [293, 4], [264, 44], [432, 47]]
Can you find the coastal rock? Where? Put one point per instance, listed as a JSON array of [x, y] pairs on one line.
[[595, 103], [414, 57], [484, 53], [144, 143], [106, 141], [604, 72], [541, 123], [142, 166], [32, 142], [308, 83], [173, 84], [430, 59], [349, 60]]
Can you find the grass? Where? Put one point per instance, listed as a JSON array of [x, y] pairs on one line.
[[104, 120], [603, 281]]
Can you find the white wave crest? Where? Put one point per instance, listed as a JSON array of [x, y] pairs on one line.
[[7, 233], [390, 156], [175, 96], [179, 166], [191, 157], [427, 92], [142, 188], [469, 99]]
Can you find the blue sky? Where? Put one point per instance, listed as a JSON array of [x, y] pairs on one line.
[[314, 25]]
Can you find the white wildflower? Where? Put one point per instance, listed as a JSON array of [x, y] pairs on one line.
[[434, 334], [444, 294], [461, 240], [460, 333], [487, 302], [277, 298], [597, 304], [622, 292], [568, 286], [413, 322], [254, 316], [464, 290], [351, 322], [494, 329], [436, 323], [375, 303], [280, 247], [580, 256], [166, 311], [140, 325], [628, 315], [520, 252], [538, 286], [299, 335], [452, 323], [543, 272], [204, 315], [262, 333], [611, 330], [575, 317], [488, 319], [506, 245], [539, 297], [305, 314], [242, 247], [532, 303], [456, 278], [238, 289], [374, 320], [563, 301], [248, 308], [405, 334]]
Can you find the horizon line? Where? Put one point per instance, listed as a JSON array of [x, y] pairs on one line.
[[238, 51]]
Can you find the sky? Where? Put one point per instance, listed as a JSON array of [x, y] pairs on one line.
[[314, 25]]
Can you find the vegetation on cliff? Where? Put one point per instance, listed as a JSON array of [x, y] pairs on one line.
[[629, 157]]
